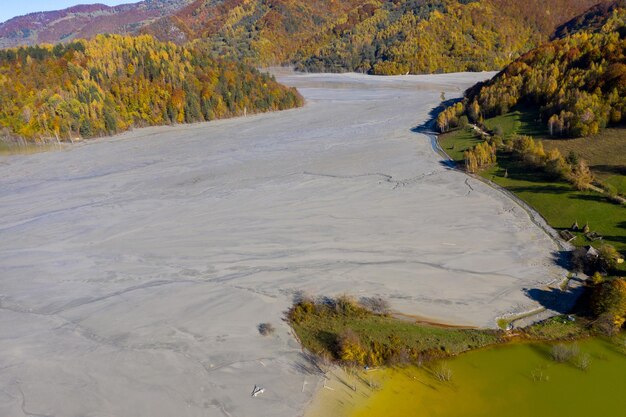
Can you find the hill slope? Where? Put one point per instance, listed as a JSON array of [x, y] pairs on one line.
[[83, 21], [578, 83], [592, 20], [529, 114], [114, 82], [375, 36]]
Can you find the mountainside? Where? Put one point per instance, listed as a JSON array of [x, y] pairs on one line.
[[113, 82], [592, 19], [578, 83], [265, 31], [83, 21], [374, 36]]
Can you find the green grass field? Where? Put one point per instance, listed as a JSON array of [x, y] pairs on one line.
[[454, 143], [520, 122], [559, 202]]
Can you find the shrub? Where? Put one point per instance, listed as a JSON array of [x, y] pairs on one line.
[[608, 257], [376, 305], [582, 361], [610, 297], [539, 376], [266, 329], [581, 175], [350, 349], [301, 310], [347, 306], [605, 325], [609, 304], [564, 353], [442, 372], [597, 278]]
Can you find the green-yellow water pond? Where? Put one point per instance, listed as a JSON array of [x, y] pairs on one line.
[[519, 380]]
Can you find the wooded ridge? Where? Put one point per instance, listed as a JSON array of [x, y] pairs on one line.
[[113, 83]]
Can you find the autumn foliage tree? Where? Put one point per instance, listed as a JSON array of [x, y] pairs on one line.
[[609, 304], [480, 156], [581, 175], [350, 348], [451, 117]]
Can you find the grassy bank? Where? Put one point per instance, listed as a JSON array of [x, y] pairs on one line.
[[345, 331], [557, 349]]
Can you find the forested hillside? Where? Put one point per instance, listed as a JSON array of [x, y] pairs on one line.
[[551, 129], [418, 36], [592, 19], [374, 36], [114, 82], [577, 83]]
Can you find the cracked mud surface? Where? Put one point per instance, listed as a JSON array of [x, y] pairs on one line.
[[134, 270]]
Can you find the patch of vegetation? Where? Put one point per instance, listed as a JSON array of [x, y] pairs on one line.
[[570, 353], [456, 142], [266, 329], [442, 372], [564, 353], [582, 361], [558, 328], [343, 330], [503, 324], [522, 120], [608, 304]]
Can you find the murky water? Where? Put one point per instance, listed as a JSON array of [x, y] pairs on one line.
[[519, 380]]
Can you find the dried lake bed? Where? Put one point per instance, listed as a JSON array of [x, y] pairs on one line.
[[135, 269]]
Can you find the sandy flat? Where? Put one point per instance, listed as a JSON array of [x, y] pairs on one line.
[[134, 270]]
